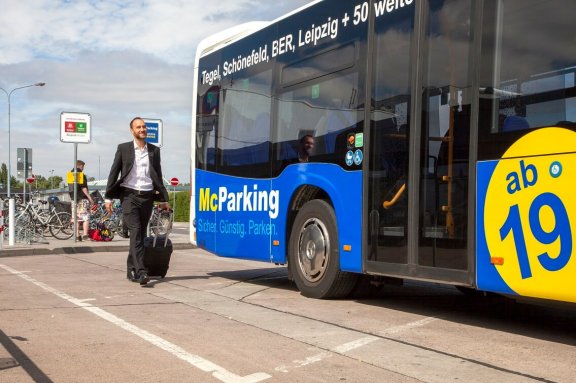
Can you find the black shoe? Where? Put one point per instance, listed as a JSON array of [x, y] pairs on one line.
[[131, 275], [144, 279]]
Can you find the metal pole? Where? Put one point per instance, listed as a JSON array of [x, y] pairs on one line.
[[9, 150], [75, 193], [11, 221], [174, 205], [25, 176], [11, 205]]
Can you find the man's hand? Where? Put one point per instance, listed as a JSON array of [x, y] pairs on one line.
[[108, 206], [164, 205]]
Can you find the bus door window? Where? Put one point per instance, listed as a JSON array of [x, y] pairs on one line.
[[389, 136], [444, 159]]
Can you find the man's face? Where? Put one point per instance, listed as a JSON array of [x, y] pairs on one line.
[[138, 129], [308, 145]]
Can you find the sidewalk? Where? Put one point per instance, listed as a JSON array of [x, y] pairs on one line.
[[179, 237]]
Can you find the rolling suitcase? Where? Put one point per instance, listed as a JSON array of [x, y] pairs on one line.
[[158, 250]]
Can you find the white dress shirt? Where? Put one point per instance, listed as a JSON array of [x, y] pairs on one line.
[[139, 176]]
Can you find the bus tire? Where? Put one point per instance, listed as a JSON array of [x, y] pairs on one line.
[[314, 253]]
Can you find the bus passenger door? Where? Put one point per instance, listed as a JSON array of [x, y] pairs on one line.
[[417, 210], [445, 138], [387, 207]]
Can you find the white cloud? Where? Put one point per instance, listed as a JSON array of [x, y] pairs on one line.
[[169, 29], [114, 59]]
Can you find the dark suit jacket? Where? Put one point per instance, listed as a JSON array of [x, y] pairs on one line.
[[123, 162]]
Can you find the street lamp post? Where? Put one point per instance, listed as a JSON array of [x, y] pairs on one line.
[[11, 207], [9, 94], [52, 179]]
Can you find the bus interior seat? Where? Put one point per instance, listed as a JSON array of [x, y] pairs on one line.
[[514, 123], [566, 124], [288, 150]]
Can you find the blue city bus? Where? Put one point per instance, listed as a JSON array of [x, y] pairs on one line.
[[444, 145]]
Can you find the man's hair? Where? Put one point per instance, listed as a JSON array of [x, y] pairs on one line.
[[80, 163], [134, 119], [304, 137]]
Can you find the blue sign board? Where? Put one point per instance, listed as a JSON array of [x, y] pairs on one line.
[[154, 129]]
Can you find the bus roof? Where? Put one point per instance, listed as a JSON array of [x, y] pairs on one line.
[[232, 34]]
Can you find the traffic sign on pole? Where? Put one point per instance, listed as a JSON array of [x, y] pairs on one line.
[[154, 131], [174, 181]]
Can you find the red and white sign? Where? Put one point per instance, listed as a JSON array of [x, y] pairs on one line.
[[174, 181], [31, 179]]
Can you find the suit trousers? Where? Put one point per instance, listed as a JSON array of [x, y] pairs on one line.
[[136, 212]]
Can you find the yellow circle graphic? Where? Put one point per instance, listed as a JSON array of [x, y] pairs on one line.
[[530, 215]]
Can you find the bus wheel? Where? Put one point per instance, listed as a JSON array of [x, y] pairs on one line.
[[314, 253]]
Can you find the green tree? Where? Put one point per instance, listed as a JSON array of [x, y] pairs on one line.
[[14, 183], [3, 174], [54, 182], [40, 182]]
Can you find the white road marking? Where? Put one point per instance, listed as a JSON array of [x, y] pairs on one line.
[[407, 326], [341, 349], [218, 372], [344, 348], [347, 347], [301, 363]]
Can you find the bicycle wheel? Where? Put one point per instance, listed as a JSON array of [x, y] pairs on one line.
[[161, 223], [23, 218], [42, 222], [61, 225]]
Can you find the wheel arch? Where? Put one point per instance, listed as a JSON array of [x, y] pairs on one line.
[[341, 189]]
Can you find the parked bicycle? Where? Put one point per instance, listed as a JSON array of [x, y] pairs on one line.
[[161, 221], [37, 218], [100, 218]]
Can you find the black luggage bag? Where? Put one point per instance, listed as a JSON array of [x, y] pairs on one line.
[[157, 252], [158, 247]]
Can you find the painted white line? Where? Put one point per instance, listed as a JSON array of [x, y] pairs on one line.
[[407, 326], [301, 363], [218, 372], [88, 299], [341, 349], [346, 347]]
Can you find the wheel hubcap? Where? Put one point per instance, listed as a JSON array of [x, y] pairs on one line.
[[313, 250]]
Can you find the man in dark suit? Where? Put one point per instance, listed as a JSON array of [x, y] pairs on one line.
[[138, 165]]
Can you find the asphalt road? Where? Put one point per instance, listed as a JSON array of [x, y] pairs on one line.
[[75, 318]]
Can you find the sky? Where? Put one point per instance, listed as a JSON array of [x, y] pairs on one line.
[[113, 59]]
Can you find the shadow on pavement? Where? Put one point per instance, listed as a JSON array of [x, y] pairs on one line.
[[20, 359]]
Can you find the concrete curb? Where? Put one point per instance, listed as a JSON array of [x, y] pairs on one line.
[[79, 250]]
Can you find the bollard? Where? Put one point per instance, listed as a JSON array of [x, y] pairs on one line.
[[11, 209]]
